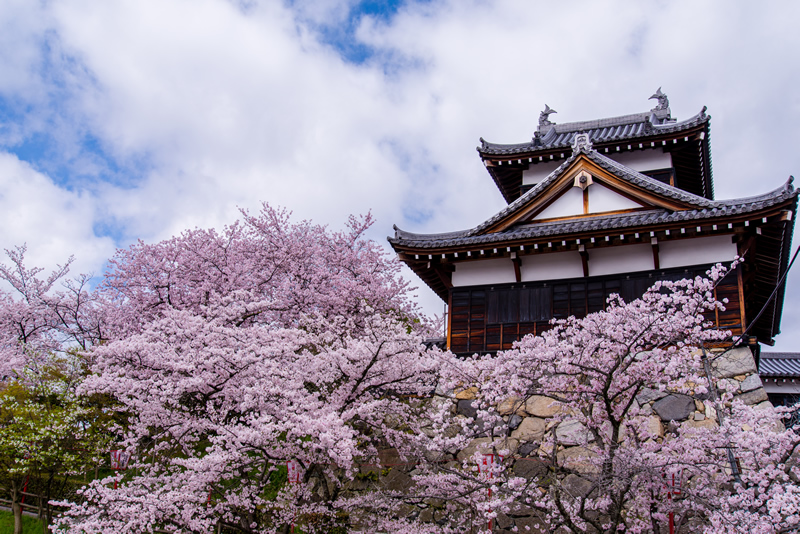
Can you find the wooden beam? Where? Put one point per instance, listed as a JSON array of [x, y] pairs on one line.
[[449, 318], [586, 201], [656, 259], [740, 281], [584, 260]]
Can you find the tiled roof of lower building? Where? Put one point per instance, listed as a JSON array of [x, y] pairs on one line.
[[779, 364]]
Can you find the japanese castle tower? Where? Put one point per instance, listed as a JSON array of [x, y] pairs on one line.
[[599, 207]]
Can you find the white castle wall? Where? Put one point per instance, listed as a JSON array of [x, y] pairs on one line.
[[602, 261], [712, 249], [643, 160]]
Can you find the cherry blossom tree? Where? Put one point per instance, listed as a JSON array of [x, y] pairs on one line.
[[237, 352], [599, 460], [266, 369]]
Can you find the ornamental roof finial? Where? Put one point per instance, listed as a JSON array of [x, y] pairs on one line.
[[581, 141], [544, 116], [663, 101]]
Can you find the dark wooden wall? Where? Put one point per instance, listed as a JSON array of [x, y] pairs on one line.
[[492, 318]]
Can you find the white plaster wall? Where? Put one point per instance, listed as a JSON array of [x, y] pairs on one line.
[[781, 387], [539, 171], [622, 259], [684, 252], [568, 204], [603, 199], [480, 272], [643, 160], [553, 266]]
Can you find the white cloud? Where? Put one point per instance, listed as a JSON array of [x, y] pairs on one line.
[[226, 104], [53, 222]]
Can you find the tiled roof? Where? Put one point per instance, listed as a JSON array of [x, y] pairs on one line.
[[779, 364], [704, 209], [636, 126]]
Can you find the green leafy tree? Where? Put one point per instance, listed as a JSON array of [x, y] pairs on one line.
[[47, 435]]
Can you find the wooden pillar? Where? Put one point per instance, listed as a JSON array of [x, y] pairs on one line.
[[656, 260]]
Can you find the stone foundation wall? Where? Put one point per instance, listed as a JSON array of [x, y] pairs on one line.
[[528, 420]]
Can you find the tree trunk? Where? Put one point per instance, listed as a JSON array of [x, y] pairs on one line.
[[16, 507]]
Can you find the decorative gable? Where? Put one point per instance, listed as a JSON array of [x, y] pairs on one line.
[[589, 184], [594, 199]]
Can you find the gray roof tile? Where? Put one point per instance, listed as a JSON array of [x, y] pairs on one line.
[[779, 364], [639, 125]]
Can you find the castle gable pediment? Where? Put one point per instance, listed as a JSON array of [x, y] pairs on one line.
[[589, 185]]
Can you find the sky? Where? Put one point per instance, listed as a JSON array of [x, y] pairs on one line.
[[136, 119]]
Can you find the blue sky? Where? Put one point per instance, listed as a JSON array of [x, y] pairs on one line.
[[131, 119]]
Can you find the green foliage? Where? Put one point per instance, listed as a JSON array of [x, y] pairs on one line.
[[277, 480], [45, 427], [50, 438]]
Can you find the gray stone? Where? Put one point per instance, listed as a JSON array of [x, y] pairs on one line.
[[426, 515], [753, 397], [442, 392], [514, 421], [577, 486], [734, 362], [571, 432], [467, 408], [674, 407], [531, 429], [503, 521], [487, 423], [396, 480], [579, 459], [529, 468], [649, 394], [526, 449], [437, 456], [517, 509], [389, 457], [750, 383], [766, 405]]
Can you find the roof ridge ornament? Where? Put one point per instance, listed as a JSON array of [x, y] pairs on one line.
[[581, 142], [663, 101], [544, 116]]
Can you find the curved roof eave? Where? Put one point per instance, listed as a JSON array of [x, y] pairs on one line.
[[715, 209]]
